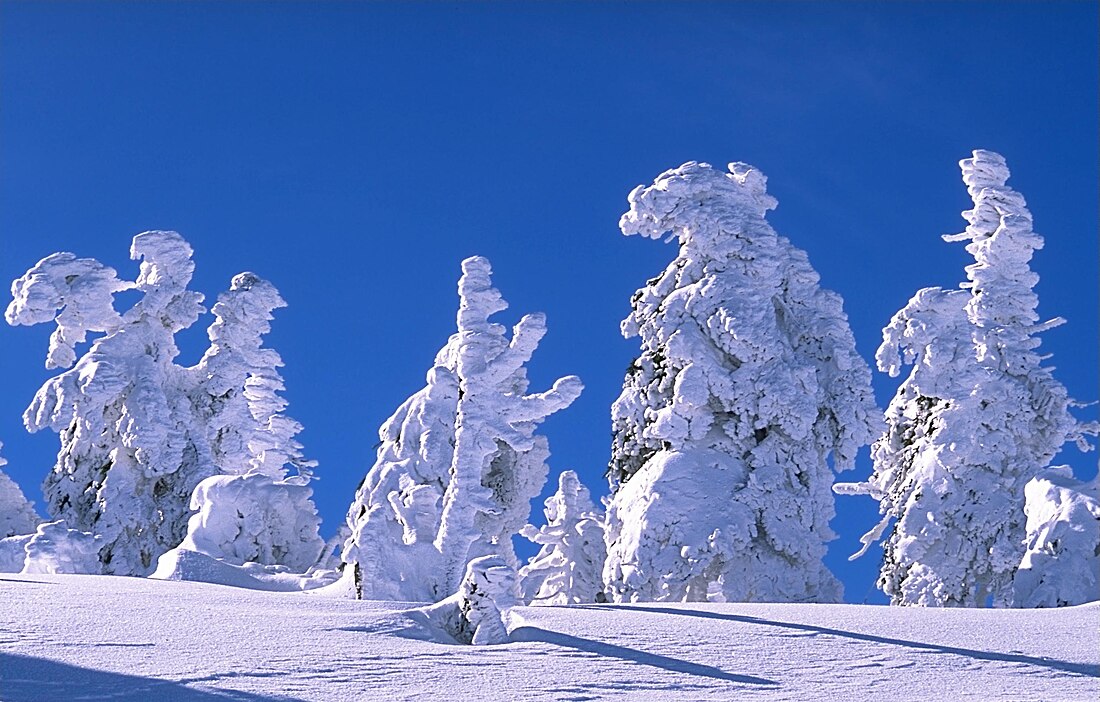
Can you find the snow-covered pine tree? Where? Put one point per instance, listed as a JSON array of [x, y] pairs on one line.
[[17, 515], [129, 455], [255, 510], [568, 569], [1061, 563], [747, 386], [459, 461], [977, 418]]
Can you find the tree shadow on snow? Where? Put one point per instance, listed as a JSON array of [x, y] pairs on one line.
[[599, 648], [1066, 666], [27, 679]]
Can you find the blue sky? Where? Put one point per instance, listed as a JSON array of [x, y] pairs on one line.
[[355, 153]]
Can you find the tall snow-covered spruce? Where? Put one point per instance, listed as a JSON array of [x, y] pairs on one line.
[[747, 385], [129, 455], [977, 418], [459, 462], [255, 510]]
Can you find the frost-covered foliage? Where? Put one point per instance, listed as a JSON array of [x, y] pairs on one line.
[[747, 386], [130, 455], [55, 548], [977, 418], [255, 511], [1061, 565], [254, 518], [568, 569], [459, 462], [478, 612], [17, 515]]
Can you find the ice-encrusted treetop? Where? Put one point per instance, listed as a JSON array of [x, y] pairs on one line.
[[166, 270], [77, 293]]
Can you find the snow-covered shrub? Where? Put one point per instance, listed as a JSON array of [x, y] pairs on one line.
[[130, 453], [55, 548], [478, 612], [1061, 565], [568, 569], [977, 418], [13, 552], [17, 515], [459, 462], [747, 386], [254, 518]]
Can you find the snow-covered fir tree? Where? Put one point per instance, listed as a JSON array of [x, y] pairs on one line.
[[976, 419], [256, 510], [747, 387], [17, 515], [130, 455], [568, 569], [459, 462], [1061, 563]]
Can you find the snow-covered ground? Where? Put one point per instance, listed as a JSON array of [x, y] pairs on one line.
[[72, 637]]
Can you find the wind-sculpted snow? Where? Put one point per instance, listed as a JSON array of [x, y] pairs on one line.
[[17, 515], [976, 419], [568, 569], [459, 461], [747, 385], [55, 548], [1061, 565]]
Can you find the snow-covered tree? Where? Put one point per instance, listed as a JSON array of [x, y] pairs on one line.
[[977, 418], [1061, 566], [130, 455], [17, 515], [55, 548], [459, 461], [747, 387], [478, 612], [568, 569]]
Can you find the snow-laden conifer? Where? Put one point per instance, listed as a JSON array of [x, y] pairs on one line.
[[747, 386], [976, 419], [1061, 564], [568, 569], [17, 515], [459, 462], [130, 455], [255, 510], [478, 612]]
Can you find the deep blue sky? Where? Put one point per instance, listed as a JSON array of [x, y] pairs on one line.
[[354, 154]]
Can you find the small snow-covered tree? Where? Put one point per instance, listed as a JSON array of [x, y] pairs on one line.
[[459, 462], [55, 548], [478, 612], [255, 511], [747, 387], [17, 515], [130, 455], [568, 569], [977, 418], [1061, 564]]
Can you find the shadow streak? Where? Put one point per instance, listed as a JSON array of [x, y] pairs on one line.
[[599, 648], [1085, 669], [27, 679]]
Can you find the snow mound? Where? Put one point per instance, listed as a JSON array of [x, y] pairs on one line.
[[183, 564]]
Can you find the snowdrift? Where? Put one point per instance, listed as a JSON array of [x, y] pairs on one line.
[[102, 637]]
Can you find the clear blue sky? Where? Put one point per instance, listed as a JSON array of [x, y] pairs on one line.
[[355, 153]]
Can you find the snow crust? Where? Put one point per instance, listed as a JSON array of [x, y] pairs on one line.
[[67, 637], [976, 419], [748, 374], [459, 462], [1061, 564]]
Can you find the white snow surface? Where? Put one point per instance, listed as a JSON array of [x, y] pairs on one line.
[[68, 637]]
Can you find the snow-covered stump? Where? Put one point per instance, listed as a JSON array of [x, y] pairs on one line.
[[748, 386], [976, 419], [568, 569], [17, 515], [459, 462], [55, 548], [478, 612], [1061, 563]]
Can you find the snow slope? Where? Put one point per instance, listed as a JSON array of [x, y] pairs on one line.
[[67, 637]]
